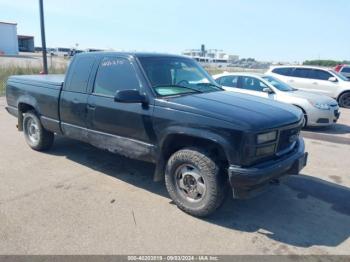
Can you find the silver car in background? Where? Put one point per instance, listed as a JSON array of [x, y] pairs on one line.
[[319, 110], [317, 80]]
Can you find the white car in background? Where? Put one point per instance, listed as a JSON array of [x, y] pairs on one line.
[[315, 79], [60, 51], [319, 110]]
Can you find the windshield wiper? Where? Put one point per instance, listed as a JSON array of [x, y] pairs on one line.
[[210, 84], [180, 86]]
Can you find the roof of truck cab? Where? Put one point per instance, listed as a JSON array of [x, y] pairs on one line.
[[134, 54]]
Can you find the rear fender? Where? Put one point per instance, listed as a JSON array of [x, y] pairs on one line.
[[25, 100]]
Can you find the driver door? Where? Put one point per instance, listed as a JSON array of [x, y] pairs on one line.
[[120, 122]]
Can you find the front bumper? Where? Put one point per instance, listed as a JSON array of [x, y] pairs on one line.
[[318, 117], [247, 182]]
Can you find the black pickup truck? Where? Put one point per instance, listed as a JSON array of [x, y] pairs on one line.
[[168, 110]]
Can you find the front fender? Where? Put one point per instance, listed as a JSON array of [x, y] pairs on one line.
[[225, 141]]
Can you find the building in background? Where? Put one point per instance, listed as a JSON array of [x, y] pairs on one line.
[[219, 58], [8, 38], [211, 56], [26, 43]]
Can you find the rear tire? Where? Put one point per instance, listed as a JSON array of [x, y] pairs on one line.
[[194, 182], [36, 136], [344, 100]]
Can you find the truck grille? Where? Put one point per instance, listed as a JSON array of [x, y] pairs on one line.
[[287, 138]]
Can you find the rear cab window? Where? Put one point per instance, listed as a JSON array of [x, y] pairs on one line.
[[79, 75]]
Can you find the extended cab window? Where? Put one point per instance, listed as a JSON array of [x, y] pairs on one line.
[[114, 74], [79, 76], [230, 81], [251, 83]]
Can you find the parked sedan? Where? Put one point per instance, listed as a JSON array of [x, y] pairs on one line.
[[319, 110]]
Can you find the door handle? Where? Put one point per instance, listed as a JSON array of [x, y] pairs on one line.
[[90, 107], [291, 81], [75, 101], [315, 83]]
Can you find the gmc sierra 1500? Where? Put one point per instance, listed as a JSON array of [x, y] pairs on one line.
[[168, 110]]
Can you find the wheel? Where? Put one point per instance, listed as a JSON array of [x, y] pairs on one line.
[[344, 100], [36, 136], [194, 182]]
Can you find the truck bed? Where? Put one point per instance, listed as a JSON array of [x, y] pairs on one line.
[[41, 91], [50, 80]]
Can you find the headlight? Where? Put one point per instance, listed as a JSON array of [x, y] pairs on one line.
[[266, 137], [265, 150], [322, 106]]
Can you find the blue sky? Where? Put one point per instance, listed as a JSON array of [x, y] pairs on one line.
[[277, 30]]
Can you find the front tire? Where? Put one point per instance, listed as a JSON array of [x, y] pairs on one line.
[[344, 100], [194, 182], [36, 136]]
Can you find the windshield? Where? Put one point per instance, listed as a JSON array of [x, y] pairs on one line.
[[339, 75], [278, 84], [176, 76]]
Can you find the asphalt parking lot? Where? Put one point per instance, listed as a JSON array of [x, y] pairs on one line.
[[76, 199]]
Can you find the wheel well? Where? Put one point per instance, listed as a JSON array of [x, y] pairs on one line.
[[305, 115], [174, 143], [22, 108], [302, 109], [342, 93]]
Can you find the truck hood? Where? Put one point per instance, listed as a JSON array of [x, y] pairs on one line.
[[245, 111], [315, 98]]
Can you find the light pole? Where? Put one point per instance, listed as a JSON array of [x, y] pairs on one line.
[[43, 41]]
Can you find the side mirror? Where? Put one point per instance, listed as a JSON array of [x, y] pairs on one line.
[[130, 96], [333, 79], [268, 90]]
